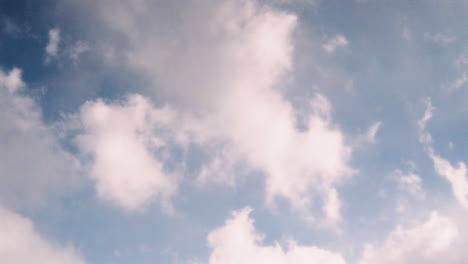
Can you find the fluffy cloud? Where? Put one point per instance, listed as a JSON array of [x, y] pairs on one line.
[[32, 162], [237, 241], [293, 161], [456, 175], [21, 244], [125, 151], [52, 47], [226, 75], [429, 242]]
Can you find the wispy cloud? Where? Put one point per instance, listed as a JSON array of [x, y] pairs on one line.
[[52, 47], [338, 41]]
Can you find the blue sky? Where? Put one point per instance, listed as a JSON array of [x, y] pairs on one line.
[[234, 131]]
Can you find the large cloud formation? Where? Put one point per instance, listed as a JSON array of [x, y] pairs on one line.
[[217, 62]]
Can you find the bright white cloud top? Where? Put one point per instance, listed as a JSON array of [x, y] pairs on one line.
[[233, 131], [122, 143]]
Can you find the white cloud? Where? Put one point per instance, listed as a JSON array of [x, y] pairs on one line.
[[225, 74], [461, 81], [409, 182], [440, 38], [21, 244], [406, 34], [462, 59], [450, 145], [425, 137], [332, 208], [338, 41], [456, 175], [460, 63], [52, 47], [222, 169], [429, 242], [32, 161], [237, 241], [12, 80], [125, 148], [294, 162], [78, 49], [373, 130], [370, 136]]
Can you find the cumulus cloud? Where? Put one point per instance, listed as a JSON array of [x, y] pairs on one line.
[[225, 74], [20, 243], [124, 148], [237, 241], [32, 161], [12, 80], [294, 162], [338, 41], [52, 47], [429, 242], [456, 175]]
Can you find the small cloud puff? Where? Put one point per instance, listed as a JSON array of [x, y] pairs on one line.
[[338, 41], [52, 47]]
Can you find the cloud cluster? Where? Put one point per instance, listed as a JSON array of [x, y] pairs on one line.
[[33, 165], [218, 66], [237, 241], [123, 146], [226, 74]]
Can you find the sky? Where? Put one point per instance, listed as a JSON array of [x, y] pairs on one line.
[[233, 131]]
